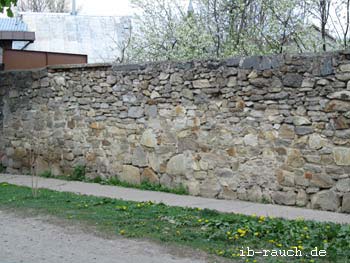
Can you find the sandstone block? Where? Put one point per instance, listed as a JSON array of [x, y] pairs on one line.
[[176, 79], [149, 139], [163, 76], [340, 95], [130, 174], [287, 132], [201, 84], [149, 175], [232, 82], [344, 67], [346, 203], [111, 79], [316, 142], [139, 157], [181, 164], [325, 200], [302, 198], [284, 198], [321, 180], [341, 155], [209, 188], [135, 112], [337, 105], [294, 158], [251, 140], [285, 178], [41, 166], [299, 121], [343, 185]]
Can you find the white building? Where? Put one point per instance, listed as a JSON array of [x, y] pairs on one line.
[[99, 37]]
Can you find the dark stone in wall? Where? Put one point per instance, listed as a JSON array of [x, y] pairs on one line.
[[233, 62], [262, 62], [326, 67], [128, 67], [292, 80]]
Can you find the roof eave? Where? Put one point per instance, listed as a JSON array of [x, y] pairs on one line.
[[17, 36]]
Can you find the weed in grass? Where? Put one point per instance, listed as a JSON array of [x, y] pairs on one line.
[[214, 232]]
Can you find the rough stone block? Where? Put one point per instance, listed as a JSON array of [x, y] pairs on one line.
[[130, 174], [341, 155], [346, 203], [284, 198], [325, 200]]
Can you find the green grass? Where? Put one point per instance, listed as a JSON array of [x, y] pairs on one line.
[[78, 174], [213, 232]]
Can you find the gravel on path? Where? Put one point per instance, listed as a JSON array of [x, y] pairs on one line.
[[38, 240]]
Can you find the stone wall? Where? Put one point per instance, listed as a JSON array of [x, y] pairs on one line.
[[264, 129]]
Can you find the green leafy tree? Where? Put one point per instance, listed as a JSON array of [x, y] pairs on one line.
[[166, 30], [6, 5]]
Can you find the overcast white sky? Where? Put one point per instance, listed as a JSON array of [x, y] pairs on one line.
[[105, 7]]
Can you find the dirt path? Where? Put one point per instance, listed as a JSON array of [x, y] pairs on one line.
[[35, 240]]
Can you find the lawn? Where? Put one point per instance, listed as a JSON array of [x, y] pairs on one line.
[[214, 232]]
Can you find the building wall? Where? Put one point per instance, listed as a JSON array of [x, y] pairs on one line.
[[95, 36], [264, 129]]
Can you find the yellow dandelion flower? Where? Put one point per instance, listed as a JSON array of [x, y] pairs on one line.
[[241, 231]]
